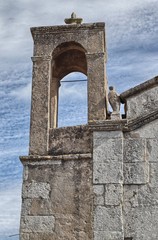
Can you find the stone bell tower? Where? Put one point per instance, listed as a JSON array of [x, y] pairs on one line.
[[58, 51]]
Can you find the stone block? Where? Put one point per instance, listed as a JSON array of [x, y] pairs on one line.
[[101, 136], [108, 150], [148, 195], [98, 194], [108, 219], [153, 174], [110, 172], [26, 206], [130, 196], [41, 206], [113, 194], [152, 150], [37, 224], [106, 235], [134, 150], [24, 236], [141, 223], [36, 190], [136, 173]]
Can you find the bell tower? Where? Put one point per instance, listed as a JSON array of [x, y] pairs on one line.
[[57, 196], [58, 51]]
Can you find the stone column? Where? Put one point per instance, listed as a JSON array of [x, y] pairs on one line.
[[96, 86], [54, 89], [40, 109], [108, 185]]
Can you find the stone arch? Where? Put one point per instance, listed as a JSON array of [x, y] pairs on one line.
[[66, 58]]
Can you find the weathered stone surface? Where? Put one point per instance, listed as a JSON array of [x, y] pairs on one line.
[[26, 206], [104, 173], [40, 108], [97, 89], [107, 157], [153, 174], [108, 219], [99, 193], [36, 190], [68, 198], [130, 196], [37, 224], [70, 140], [136, 173], [107, 147], [40, 207], [108, 150], [100, 136], [149, 130], [103, 235], [43, 236], [25, 236], [147, 195], [113, 194], [141, 223], [142, 99], [152, 150], [67, 33], [134, 150]]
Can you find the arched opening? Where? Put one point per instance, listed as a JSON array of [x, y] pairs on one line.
[[72, 105], [67, 58]]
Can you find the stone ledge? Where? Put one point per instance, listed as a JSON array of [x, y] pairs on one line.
[[34, 158], [124, 124], [108, 125]]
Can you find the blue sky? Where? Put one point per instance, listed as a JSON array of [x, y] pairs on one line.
[[132, 46]]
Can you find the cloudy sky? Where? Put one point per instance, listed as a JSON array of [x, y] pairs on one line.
[[132, 45]]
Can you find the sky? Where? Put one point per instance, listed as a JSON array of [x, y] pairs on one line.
[[132, 46]]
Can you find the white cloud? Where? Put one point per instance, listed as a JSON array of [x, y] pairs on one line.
[[10, 203], [23, 93]]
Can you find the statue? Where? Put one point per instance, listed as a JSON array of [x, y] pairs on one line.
[[114, 100]]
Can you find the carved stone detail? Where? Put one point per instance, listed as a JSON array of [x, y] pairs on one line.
[[114, 100]]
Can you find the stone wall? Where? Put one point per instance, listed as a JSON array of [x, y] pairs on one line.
[[108, 195], [70, 140], [140, 208], [57, 198], [142, 99], [125, 176]]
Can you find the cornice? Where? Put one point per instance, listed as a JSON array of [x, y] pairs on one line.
[[66, 28], [140, 121], [139, 88]]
